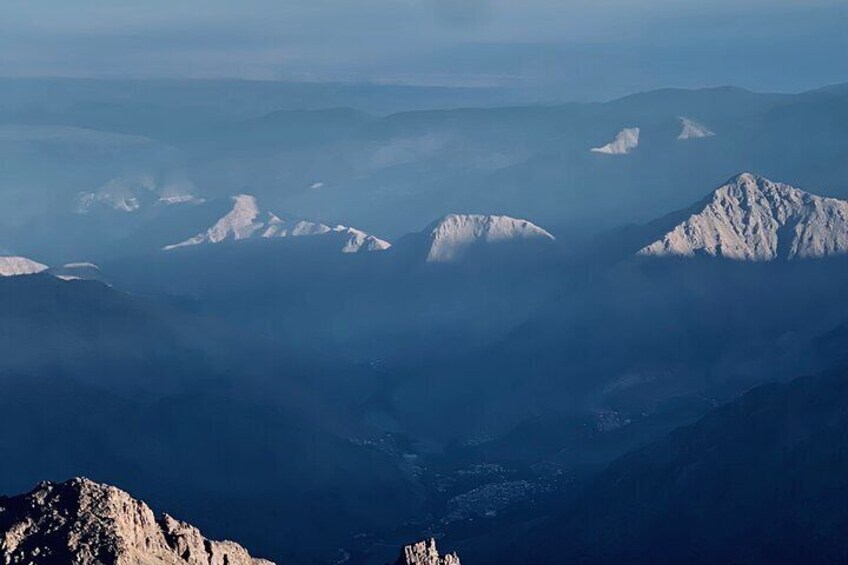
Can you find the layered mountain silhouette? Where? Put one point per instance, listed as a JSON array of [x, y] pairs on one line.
[[85, 327], [389, 173], [759, 480], [278, 380]]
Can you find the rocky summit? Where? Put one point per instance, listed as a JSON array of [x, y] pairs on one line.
[[452, 237], [751, 218], [82, 522], [425, 553]]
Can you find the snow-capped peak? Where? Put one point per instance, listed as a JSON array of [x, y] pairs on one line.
[[453, 235], [692, 129], [246, 220], [357, 240], [752, 218], [11, 266], [131, 193], [241, 222], [625, 142]]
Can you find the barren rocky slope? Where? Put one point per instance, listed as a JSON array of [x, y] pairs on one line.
[[81, 522], [425, 553]]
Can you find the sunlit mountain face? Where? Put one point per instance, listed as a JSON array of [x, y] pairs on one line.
[[419, 282]]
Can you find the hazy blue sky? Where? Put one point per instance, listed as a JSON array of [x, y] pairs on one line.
[[596, 47]]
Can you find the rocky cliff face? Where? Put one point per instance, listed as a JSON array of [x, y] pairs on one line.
[[81, 522], [425, 553]]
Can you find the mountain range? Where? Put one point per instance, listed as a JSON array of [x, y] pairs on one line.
[[388, 174], [571, 341], [246, 221], [477, 337]]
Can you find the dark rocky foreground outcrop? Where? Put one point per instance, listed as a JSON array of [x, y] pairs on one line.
[[80, 522], [425, 553]]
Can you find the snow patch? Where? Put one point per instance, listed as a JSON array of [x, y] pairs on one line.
[[180, 199], [692, 129], [77, 271], [625, 142], [81, 265]]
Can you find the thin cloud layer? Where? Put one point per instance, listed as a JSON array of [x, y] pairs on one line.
[[540, 44]]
